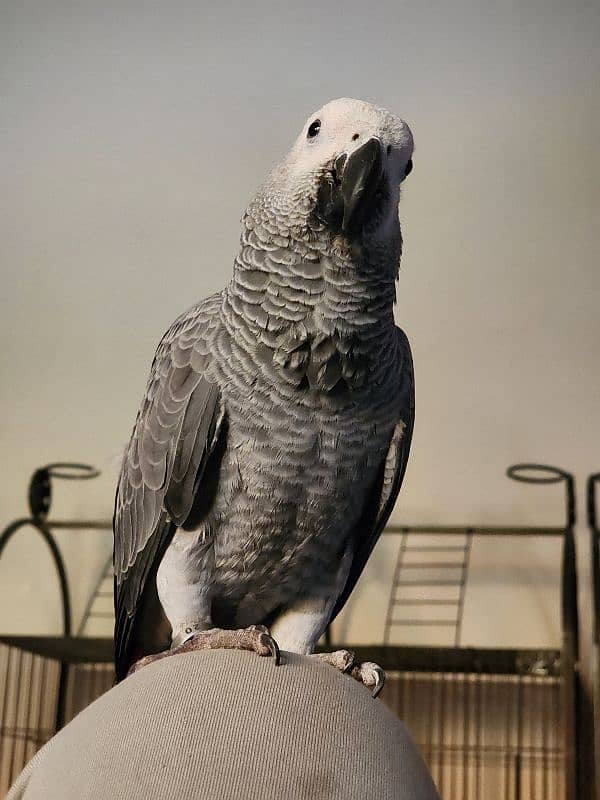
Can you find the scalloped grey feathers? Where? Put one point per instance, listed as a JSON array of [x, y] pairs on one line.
[[277, 418], [175, 431]]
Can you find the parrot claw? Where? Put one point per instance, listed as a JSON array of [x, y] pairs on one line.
[[267, 640], [273, 647], [261, 628], [348, 668], [379, 684], [379, 680], [369, 674]]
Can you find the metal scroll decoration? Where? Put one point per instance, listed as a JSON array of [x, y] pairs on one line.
[[40, 499]]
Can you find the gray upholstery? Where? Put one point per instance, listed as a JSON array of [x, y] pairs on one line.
[[219, 724]]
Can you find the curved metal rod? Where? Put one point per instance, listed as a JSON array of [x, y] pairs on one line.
[[548, 474], [592, 516], [7, 535], [569, 614], [71, 472], [591, 501]]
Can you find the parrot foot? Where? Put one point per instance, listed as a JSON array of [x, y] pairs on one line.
[[255, 638], [369, 674]]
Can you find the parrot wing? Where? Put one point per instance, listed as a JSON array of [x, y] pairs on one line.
[[175, 431]]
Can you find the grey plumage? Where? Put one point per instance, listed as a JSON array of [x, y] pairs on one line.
[[273, 437]]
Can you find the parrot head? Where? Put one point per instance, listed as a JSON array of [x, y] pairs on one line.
[[345, 169]]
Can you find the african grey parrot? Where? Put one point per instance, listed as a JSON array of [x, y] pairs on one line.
[[273, 437]]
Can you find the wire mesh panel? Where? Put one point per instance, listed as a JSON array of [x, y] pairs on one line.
[[28, 702], [496, 737], [86, 682]]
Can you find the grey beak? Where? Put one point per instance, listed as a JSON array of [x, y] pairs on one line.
[[361, 177], [346, 194]]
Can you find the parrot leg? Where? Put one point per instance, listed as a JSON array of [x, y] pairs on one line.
[[300, 627], [369, 674], [256, 638]]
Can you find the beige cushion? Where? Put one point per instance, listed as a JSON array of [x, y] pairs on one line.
[[219, 725]]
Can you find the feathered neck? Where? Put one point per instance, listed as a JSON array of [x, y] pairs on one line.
[[318, 312]]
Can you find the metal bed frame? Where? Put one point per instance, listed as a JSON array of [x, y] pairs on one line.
[[440, 691]]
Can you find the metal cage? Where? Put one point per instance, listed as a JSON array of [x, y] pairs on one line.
[[499, 724]]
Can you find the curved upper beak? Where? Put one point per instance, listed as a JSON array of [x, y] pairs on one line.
[[346, 197], [361, 177]]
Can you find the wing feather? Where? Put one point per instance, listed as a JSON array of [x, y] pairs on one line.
[[175, 431]]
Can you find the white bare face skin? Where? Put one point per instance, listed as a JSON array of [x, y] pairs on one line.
[[346, 125], [342, 127]]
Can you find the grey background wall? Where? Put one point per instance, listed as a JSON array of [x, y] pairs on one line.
[[132, 137]]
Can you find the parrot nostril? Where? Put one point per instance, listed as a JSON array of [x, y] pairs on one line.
[[355, 137]]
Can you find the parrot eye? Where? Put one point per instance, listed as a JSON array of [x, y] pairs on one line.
[[313, 129]]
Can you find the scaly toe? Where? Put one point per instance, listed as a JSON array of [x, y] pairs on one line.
[[257, 639], [344, 660], [370, 675], [143, 662]]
